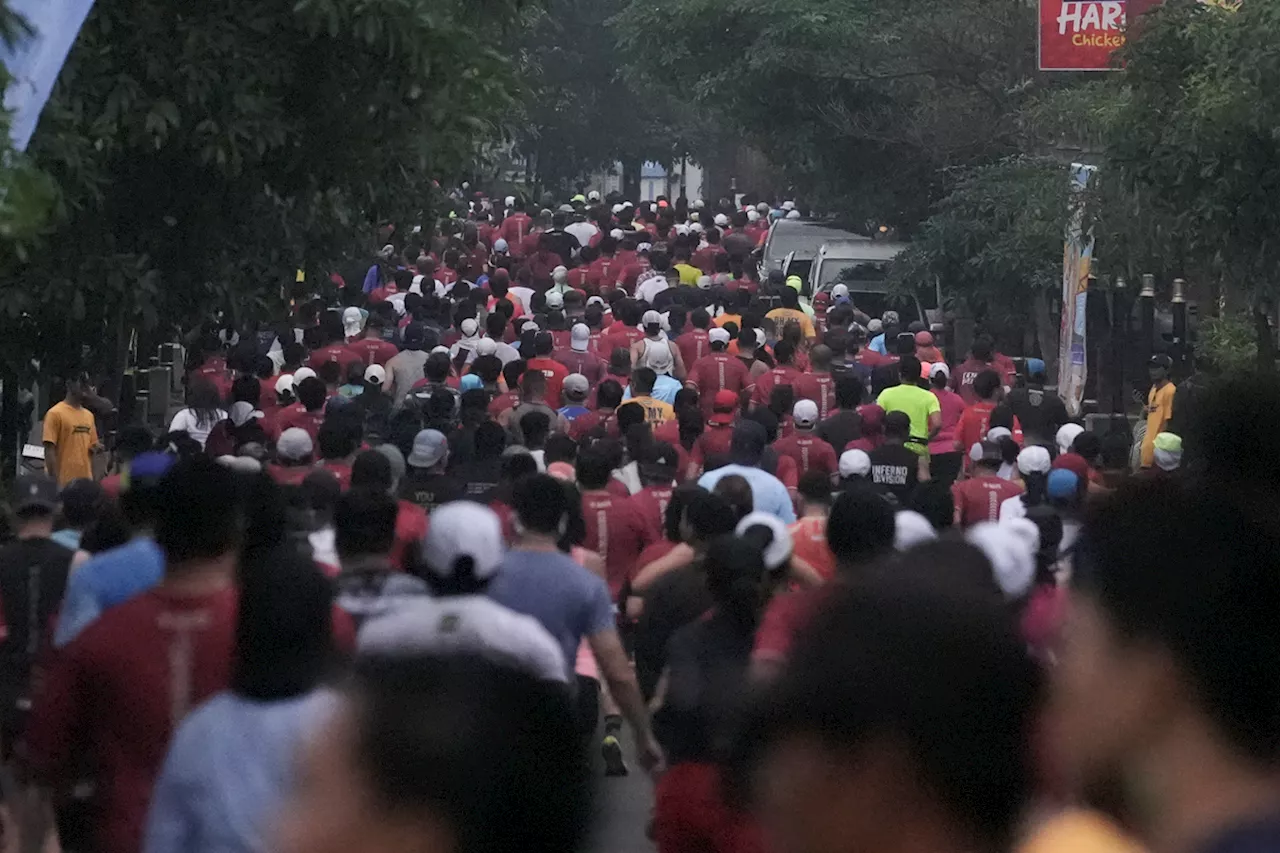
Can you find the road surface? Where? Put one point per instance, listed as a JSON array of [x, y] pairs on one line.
[[622, 808]]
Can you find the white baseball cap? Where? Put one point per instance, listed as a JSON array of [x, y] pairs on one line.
[[1034, 460], [580, 337], [840, 291], [375, 373], [805, 413], [939, 368], [855, 463], [788, 205], [463, 534], [486, 346], [509, 201], [910, 529], [704, 282], [595, 300], [555, 299], [594, 195], [721, 220], [778, 551], [469, 328], [651, 316], [352, 322], [303, 373], [294, 444], [283, 384], [793, 214], [617, 208], [1067, 435], [500, 245], [718, 336], [753, 215], [1010, 547]]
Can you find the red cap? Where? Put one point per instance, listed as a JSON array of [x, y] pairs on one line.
[[724, 407]]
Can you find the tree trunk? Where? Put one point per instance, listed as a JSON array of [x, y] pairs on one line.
[[631, 179], [1266, 343], [1046, 334]]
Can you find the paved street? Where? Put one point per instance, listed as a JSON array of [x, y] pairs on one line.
[[623, 807]]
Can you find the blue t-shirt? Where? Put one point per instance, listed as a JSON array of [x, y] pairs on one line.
[[110, 578], [665, 389], [570, 413], [569, 601], [767, 492]]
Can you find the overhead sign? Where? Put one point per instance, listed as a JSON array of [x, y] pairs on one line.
[[1081, 35], [35, 61]]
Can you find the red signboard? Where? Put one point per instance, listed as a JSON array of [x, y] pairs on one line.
[[1081, 35]]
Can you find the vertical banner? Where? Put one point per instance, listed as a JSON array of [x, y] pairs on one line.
[[1077, 260], [1081, 35], [36, 59]]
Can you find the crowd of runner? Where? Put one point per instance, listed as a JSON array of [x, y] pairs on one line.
[[397, 557]]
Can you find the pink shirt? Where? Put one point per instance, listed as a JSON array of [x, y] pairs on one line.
[[952, 405]]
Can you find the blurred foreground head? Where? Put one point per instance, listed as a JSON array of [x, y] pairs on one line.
[[902, 718]]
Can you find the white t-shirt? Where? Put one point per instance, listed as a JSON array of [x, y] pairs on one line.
[[651, 287], [185, 421], [463, 624], [583, 231]]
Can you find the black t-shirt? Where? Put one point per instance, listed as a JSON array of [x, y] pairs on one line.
[[841, 428], [431, 490], [33, 577], [480, 478], [707, 667], [895, 470], [674, 600], [1039, 412], [562, 243]]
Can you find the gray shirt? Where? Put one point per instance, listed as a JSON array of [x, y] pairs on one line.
[[404, 370]]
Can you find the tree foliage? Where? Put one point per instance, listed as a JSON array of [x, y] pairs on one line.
[[203, 152], [866, 105]]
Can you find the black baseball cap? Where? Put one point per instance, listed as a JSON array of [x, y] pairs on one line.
[[1161, 361], [34, 491]]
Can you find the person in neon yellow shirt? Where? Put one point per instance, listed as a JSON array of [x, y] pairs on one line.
[[919, 405]]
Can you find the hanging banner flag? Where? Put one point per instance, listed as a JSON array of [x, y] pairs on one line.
[[1077, 260], [1080, 35], [35, 60]]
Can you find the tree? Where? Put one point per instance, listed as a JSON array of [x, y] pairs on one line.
[[865, 104], [203, 153], [996, 242], [582, 111]]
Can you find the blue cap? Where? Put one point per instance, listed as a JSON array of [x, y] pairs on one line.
[[1063, 484], [150, 466], [471, 382], [1034, 366]]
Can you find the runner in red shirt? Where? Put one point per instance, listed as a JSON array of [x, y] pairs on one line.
[[783, 374], [818, 384], [578, 358], [976, 418], [603, 272], [658, 471], [696, 342], [515, 228], [809, 452], [718, 372], [336, 348], [979, 360], [626, 331], [615, 529], [809, 534], [114, 696], [713, 445], [553, 370], [370, 348], [705, 258], [978, 499], [602, 422], [308, 414]]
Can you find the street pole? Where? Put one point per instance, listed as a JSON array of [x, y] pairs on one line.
[[1119, 327], [1179, 328], [1148, 307]]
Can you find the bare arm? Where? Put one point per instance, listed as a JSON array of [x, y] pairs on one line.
[[678, 371], [676, 558], [803, 573], [935, 424], [51, 459], [922, 472], [616, 669]]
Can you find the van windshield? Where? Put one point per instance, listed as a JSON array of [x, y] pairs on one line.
[[866, 276]]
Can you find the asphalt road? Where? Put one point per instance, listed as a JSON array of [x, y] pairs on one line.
[[622, 808]]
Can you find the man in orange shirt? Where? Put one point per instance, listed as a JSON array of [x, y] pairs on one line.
[[809, 534], [70, 436], [554, 371]]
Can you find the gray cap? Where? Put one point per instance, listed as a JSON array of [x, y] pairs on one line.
[[294, 444], [577, 385], [429, 448]]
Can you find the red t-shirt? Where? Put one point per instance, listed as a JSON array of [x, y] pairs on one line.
[[809, 452], [705, 259], [587, 363], [340, 470], [979, 499], [809, 536], [117, 693], [631, 272], [784, 617], [694, 344], [555, 373], [289, 475], [373, 351], [579, 278], [718, 372], [300, 418], [784, 374], [411, 527], [596, 341], [561, 339], [603, 274], [503, 402], [963, 376], [973, 424], [821, 389], [714, 442], [514, 229], [616, 532], [618, 337], [605, 420], [650, 504], [333, 352]]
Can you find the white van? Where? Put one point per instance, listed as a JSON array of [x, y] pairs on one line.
[[863, 266]]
